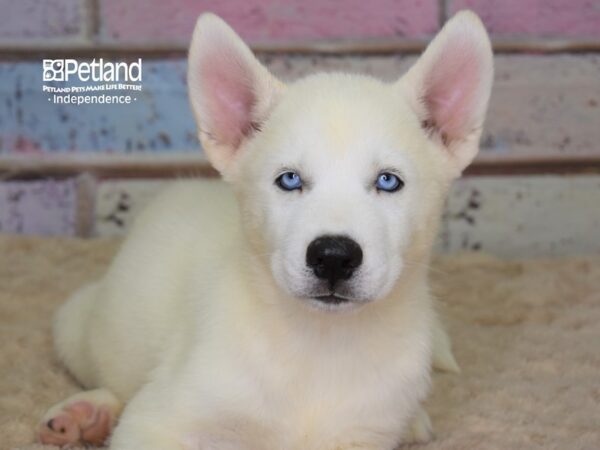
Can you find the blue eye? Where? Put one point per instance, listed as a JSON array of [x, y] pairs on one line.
[[388, 182], [289, 181]]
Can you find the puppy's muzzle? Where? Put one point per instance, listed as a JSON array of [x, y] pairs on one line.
[[333, 258]]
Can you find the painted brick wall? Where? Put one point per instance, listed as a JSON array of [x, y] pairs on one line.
[[47, 207], [159, 21], [541, 104], [156, 20], [34, 20], [159, 120], [553, 18]]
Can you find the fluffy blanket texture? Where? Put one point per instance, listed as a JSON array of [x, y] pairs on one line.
[[526, 333]]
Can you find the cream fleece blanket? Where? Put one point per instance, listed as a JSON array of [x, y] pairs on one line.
[[526, 333]]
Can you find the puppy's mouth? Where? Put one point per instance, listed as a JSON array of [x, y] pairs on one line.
[[334, 302], [332, 299]]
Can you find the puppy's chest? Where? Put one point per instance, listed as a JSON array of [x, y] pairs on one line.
[[313, 402], [313, 408], [315, 392]]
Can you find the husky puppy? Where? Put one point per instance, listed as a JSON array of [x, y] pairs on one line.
[[287, 308]]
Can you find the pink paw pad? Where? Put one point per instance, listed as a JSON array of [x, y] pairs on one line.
[[79, 423]]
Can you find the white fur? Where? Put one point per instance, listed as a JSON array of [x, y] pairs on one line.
[[204, 323]]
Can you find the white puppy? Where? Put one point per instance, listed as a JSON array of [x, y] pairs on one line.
[[289, 309]]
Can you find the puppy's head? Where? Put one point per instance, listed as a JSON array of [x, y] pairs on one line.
[[340, 177]]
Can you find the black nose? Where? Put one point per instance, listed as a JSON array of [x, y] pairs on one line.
[[333, 258]]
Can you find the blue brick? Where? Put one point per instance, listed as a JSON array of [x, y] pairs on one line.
[[159, 121]]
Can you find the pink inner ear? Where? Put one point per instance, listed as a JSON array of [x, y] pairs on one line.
[[228, 95], [451, 86]]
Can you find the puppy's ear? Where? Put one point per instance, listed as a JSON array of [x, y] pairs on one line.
[[449, 87], [231, 93]]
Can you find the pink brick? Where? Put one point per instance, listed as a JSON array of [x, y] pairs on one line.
[[140, 21], [22, 20], [45, 207], [558, 18]]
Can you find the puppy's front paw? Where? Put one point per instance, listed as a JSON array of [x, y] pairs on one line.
[[420, 430], [86, 418], [77, 423]]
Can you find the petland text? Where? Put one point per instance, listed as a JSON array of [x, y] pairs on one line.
[[96, 70]]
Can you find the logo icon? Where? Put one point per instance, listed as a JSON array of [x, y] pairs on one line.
[[54, 70]]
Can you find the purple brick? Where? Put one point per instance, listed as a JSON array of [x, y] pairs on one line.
[[552, 18], [46, 207], [25, 20], [140, 21]]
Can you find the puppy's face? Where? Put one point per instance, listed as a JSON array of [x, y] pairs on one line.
[[340, 178], [336, 185]]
